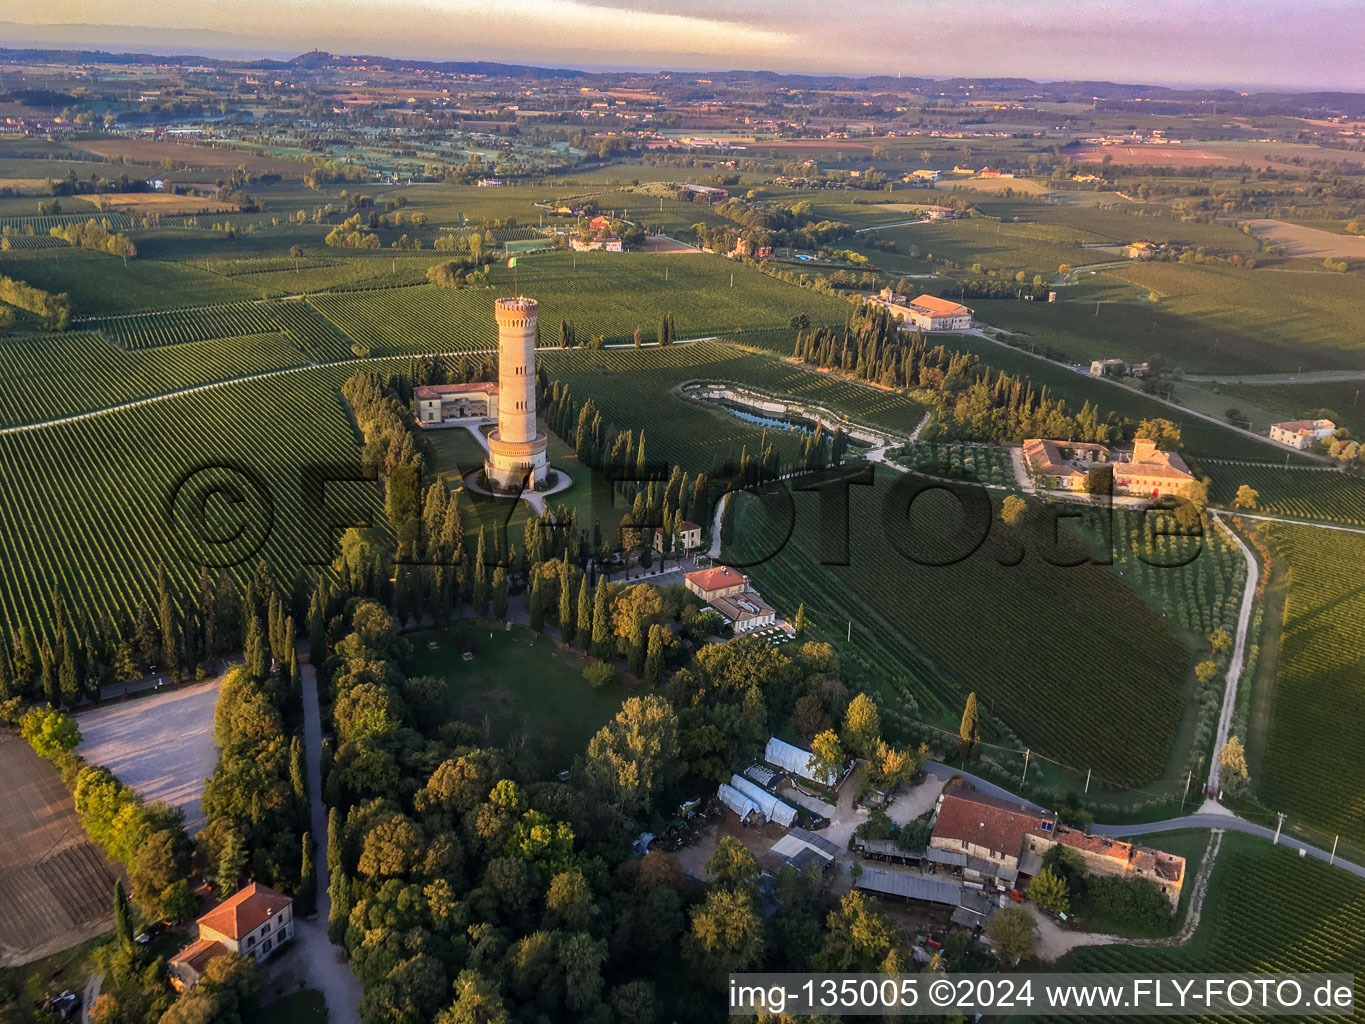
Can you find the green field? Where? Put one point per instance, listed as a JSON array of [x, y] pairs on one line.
[[1262, 320], [607, 294], [1267, 911], [1317, 719], [527, 688], [1056, 671], [1292, 401], [101, 285]]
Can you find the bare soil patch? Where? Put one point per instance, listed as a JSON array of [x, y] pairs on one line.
[[158, 202], [1157, 156], [1310, 243], [188, 154], [56, 887], [1025, 185]]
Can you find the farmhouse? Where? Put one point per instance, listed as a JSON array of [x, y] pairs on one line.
[[440, 403], [990, 831], [606, 243], [930, 313], [1143, 250], [745, 611], [924, 174], [718, 581], [1107, 368], [712, 195], [1065, 466], [688, 537], [1105, 856], [1302, 434], [256, 921]]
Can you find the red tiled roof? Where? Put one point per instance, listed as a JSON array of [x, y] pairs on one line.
[[685, 526], [935, 306], [716, 578], [437, 390], [198, 953], [995, 824], [240, 915]]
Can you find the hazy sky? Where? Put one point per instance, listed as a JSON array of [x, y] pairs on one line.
[[1292, 43]]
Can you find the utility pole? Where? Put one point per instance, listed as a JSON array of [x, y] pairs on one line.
[[1278, 825], [849, 637], [1025, 775], [1333, 858], [1183, 795], [1087, 779]]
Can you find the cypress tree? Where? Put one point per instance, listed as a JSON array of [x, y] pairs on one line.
[[566, 609], [123, 921], [308, 876], [535, 605], [47, 677], [333, 840], [499, 593], [601, 626], [584, 613], [800, 624], [257, 651], [635, 646], [968, 733], [654, 657]]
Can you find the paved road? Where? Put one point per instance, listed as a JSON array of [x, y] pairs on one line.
[[327, 971], [1238, 660], [1323, 377]]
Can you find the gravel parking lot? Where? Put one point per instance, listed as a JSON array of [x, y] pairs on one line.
[[160, 745]]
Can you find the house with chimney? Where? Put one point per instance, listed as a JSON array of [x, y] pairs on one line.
[[728, 593], [256, 921]]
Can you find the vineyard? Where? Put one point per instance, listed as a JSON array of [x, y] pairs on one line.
[[1323, 494], [87, 505], [606, 294], [1317, 718], [93, 374], [146, 330], [1090, 676], [1267, 912]]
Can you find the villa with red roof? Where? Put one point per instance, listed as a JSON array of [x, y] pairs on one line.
[[1302, 434], [1146, 471], [256, 921]]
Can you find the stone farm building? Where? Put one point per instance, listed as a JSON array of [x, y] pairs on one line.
[[1302, 434], [688, 538], [256, 921], [1105, 856], [728, 593], [1003, 840], [927, 312], [439, 403], [1145, 471]]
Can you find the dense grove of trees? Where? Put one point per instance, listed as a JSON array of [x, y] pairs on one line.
[[54, 310], [970, 400], [97, 237]]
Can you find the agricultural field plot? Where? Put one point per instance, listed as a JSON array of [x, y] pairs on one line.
[[95, 506], [13, 240], [1123, 224], [1326, 495], [102, 285], [607, 294], [994, 246], [1027, 186], [1300, 240], [176, 326], [96, 374], [1267, 911], [55, 885], [162, 746], [42, 224], [1199, 436], [1314, 320], [137, 203], [189, 156], [1292, 401], [1311, 762], [978, 625], [638, 389]]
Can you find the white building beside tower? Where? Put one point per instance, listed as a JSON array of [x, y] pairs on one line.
[[516, 448]]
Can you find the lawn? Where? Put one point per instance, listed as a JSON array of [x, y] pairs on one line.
[[1292, 401], [521, 687], [307, 1006]]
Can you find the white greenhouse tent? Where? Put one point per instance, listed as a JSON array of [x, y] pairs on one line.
[[772, 808], [737, 801], [794, 760]]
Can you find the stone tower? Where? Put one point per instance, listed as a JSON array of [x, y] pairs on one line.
[[516, 448]]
